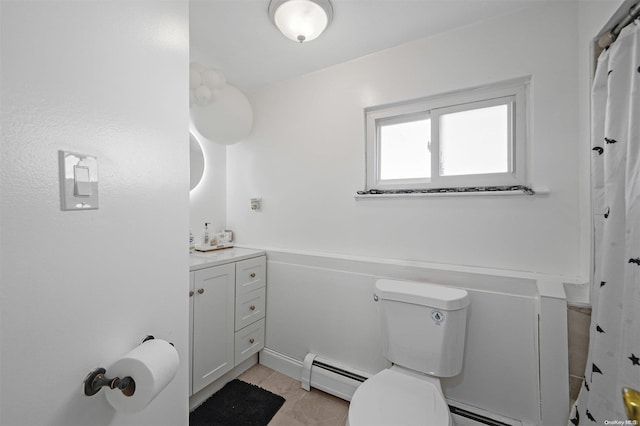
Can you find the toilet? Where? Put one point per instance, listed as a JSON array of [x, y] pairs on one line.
[[423, 330]]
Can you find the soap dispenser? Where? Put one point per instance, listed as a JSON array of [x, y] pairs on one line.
[[206, 236]]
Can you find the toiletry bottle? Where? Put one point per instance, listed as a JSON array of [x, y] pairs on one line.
[[205, 234], [192, 245]]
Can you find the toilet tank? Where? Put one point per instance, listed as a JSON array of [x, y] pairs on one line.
[[423, 325]]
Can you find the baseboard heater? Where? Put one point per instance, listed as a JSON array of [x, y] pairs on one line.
[[330, 377], [342, 381], [467, 415]]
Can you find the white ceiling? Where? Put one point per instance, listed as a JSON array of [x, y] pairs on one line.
[[238, 37]]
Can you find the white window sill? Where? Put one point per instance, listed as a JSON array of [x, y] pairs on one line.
[[413, 195]]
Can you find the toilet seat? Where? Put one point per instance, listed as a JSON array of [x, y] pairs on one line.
[[392, 397]]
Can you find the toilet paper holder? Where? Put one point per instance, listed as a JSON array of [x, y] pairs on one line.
[[96, 380]]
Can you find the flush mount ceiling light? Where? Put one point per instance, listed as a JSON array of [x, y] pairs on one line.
[[301, 20]]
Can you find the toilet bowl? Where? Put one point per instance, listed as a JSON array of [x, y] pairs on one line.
[[399, 397], [423, 329]]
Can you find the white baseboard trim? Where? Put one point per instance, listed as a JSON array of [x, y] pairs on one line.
[[282, 363]]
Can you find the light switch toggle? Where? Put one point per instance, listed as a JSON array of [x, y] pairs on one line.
[[82, 181], [78, 181]]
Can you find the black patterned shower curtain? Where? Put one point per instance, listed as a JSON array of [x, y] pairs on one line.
[[614, 348]]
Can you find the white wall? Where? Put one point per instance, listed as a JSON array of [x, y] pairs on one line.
[[79, 289], [208, 200], [305, 157]]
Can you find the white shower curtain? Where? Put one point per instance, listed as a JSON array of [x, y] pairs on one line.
[[614, 349]]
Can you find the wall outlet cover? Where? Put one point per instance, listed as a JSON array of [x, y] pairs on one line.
[[256, 204]]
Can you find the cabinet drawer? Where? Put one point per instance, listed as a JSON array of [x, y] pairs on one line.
[[250, 274], [249, 340], [250, 307]]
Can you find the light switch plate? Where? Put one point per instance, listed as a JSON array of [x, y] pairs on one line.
[[78, 181]]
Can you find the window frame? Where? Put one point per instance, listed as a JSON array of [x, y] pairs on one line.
[[513, 93]]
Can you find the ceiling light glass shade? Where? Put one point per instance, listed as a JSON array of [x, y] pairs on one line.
[[301, 20]]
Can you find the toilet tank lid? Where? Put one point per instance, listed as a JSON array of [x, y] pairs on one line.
[[426, 294]]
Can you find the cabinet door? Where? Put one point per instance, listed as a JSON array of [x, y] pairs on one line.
[[213, 324]]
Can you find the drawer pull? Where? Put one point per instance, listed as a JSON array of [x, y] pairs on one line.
[[252, 275], [252, 307], [190, 293], [200, 290], [252, 340]]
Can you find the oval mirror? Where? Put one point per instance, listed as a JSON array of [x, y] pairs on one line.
[[196, 160]]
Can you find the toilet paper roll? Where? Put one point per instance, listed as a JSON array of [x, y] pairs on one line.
[[152, 365]]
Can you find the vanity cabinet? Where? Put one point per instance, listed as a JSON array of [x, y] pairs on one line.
[[227, 311]]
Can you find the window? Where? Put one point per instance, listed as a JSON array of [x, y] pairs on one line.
[[469, 138]]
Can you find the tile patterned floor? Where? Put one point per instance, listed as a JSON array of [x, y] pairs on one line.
[[301, 407]]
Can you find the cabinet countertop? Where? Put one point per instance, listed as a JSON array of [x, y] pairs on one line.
[[200, 260]]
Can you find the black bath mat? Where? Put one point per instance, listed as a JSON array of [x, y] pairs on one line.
[[237, 404]]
